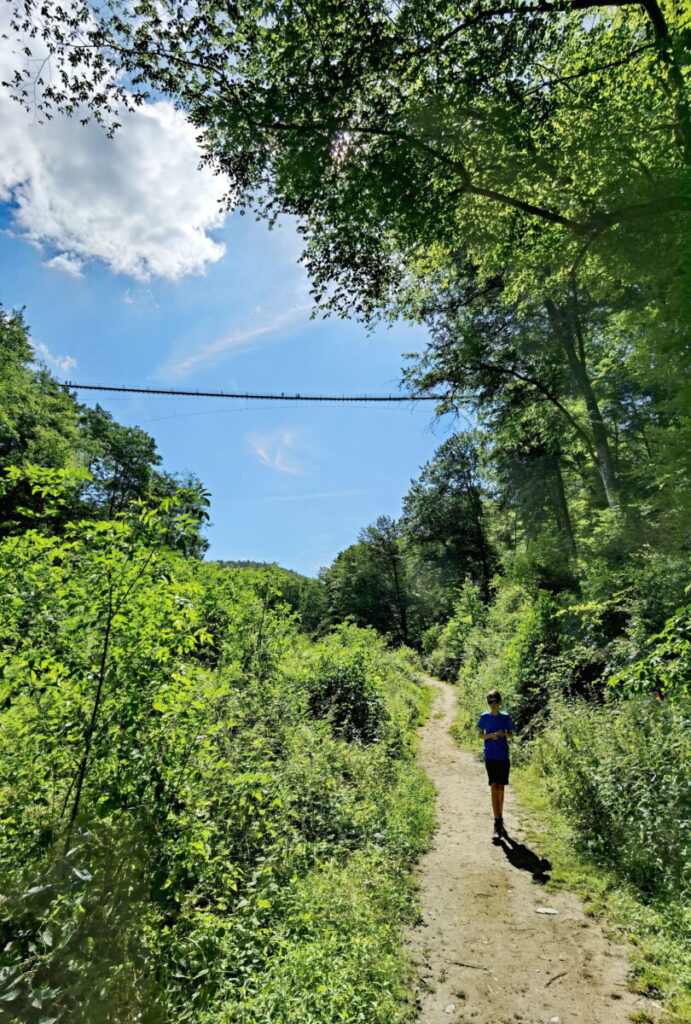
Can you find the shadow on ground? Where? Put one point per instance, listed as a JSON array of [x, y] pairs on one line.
[[523, 858]]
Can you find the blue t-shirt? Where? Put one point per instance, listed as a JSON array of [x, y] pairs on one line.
[[496, 750]]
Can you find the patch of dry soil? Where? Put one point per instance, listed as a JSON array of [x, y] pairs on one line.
[[483, 952]]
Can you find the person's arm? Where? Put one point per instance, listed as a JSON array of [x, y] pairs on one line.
[[508, 733]]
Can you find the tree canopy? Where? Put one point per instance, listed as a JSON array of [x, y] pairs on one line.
[[106, 466], [535, 137]]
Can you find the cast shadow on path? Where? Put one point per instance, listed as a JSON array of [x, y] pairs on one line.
[[521, 857]]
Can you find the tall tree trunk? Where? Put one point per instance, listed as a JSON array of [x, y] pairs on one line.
[[483, 550], [563, 514], [401, 596], [565, 332]]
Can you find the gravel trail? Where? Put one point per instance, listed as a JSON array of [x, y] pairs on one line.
[[484, 952]]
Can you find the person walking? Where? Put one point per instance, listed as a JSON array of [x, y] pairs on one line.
[[495, 727]]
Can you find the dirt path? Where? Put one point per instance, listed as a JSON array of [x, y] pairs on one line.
[[483, 951]]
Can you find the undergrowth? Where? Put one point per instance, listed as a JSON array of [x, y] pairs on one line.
[[654, 930], [207, 816], [654, 927]]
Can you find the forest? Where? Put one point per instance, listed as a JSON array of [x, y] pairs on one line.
[[208, 792]]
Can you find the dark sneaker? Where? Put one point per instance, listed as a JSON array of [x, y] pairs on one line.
[[497, 834]]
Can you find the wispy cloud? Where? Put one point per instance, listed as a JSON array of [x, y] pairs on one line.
[[319, 496], [62, 363], [274, 451], [68, 263], [214, 352]]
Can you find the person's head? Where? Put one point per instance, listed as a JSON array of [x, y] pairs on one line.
[[494, 699]]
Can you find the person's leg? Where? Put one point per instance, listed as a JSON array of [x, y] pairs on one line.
[[497, 793]]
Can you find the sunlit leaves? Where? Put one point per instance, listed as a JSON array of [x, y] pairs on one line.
[[533, 138], [158, 816]]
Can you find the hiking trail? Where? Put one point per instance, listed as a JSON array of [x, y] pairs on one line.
[[483, 952]]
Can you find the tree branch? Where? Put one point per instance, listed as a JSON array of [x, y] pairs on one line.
[[654, 207], [550, 396], [544, 390], [590, 71], [535, 211]]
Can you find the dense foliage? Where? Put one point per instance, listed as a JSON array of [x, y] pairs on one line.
[[516, 177], [108, 465], [198, 802]]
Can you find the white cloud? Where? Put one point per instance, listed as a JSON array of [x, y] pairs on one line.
[[66, 262], [139, 202], [274, 450], [63, 363], [214, 352]]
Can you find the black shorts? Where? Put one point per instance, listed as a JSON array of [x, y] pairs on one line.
[[497, 771]]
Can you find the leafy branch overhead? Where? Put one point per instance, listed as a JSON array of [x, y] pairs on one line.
[[533, 136]]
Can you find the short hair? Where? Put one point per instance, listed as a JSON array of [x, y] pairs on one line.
[[493, 693]]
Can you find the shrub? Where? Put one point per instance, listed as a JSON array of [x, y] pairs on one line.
[[620, 772], [468, 613], [665, 668], [341, 684], [165, 794]]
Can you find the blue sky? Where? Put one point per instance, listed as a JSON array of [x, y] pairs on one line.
[[130, 273]]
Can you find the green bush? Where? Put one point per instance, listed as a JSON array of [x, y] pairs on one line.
[[341, 684], [446, 658], [344, 963], [665, 668], [620, 771], [179, 767]]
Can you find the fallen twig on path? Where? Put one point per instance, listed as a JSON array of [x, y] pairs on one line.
[[556, 976]]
